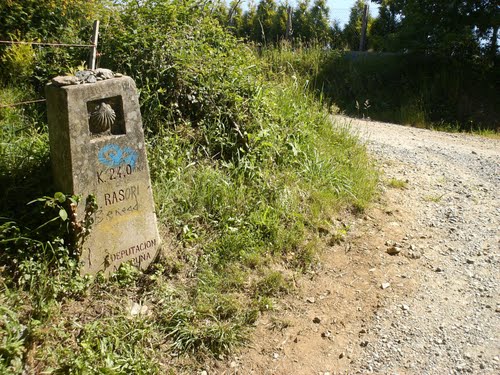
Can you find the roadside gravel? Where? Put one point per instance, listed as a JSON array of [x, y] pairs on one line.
[[451, 324]]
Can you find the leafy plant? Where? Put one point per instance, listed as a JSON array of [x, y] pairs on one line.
[[57, 204], [12, 334], [126, 275]]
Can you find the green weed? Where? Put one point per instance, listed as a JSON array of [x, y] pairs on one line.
[[18, 62], [118, 345], [433, 198], [397, 183], [189, 333]]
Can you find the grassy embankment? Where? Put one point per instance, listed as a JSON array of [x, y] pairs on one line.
[[247, 170]]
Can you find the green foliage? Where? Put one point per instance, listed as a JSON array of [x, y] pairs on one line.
[[189, 333], [352, 30], [425, 91], [48, 21], [460, 29], [126, 275], [23, 153], [45, 18], [18, 62], [199, 75], [34, 237], [40, 259], [269, 22], [384, 30]]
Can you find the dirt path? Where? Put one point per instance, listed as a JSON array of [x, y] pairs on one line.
[[433, 308]]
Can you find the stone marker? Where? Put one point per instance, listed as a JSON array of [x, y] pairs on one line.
[[97, 150]]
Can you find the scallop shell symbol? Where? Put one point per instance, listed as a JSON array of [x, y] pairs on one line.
[[102, 118]]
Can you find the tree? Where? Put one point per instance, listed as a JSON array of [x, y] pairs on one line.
[[263, 21], [385, 27], [301, 25], [457, 28], [336, 39], [236, 18], [248, 19], [319, 21], [279, 22], [220, 11]]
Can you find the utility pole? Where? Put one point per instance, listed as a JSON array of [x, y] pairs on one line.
[[362, 39], [289, 29]]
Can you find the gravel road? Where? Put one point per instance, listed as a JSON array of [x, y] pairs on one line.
[[451, 323], [413, 286]]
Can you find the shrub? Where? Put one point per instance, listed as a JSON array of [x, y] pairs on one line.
[[18, 64]]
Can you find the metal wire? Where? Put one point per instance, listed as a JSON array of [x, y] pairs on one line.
[[47, 44], [21, 103]]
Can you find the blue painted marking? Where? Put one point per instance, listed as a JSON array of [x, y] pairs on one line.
[[129, 156], [113, 156]]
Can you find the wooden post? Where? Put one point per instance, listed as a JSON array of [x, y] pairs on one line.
[[263, 34], [93, 50], [362, 39], [289, 29]]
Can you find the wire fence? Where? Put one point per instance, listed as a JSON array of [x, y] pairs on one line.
[[92, 60], [46, 44], [22, 103]]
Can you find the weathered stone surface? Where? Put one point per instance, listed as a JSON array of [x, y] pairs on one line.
[[64, 80], [393, 250], [109, 164], [104, 73]]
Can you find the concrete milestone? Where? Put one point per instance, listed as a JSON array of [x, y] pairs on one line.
[[97, 151]]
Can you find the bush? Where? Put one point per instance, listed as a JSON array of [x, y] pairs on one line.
[[192, 74], [18, 64]]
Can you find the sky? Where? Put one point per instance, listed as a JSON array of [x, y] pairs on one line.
[[340, 9]]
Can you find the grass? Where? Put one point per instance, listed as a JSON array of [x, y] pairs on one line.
[[492, 134], [434, 198], [397, 183], [473, 129]]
